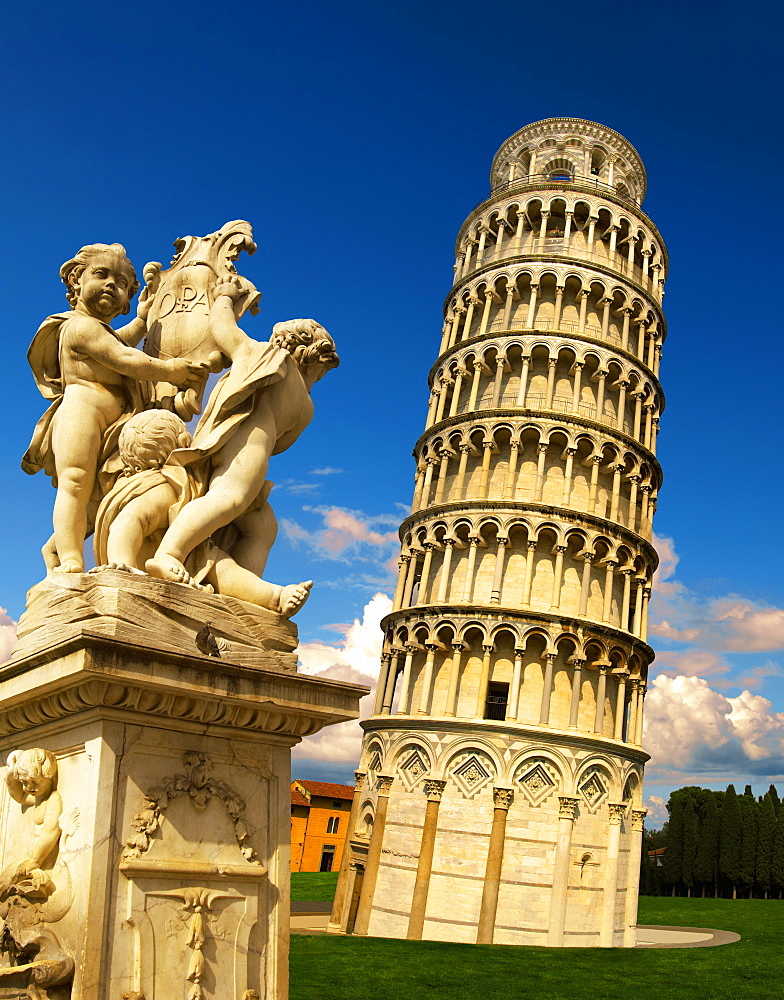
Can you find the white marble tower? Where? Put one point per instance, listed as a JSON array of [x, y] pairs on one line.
[[499, 796]]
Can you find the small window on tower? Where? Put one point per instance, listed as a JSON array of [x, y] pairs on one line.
[[332, 824]]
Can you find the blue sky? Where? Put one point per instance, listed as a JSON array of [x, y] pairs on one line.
[[356, 137]]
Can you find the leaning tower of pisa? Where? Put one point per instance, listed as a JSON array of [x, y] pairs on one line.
[[499, 793]]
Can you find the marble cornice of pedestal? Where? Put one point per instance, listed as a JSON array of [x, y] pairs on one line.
[[566, 514], [538, 735], [95, 673], [469, 613]]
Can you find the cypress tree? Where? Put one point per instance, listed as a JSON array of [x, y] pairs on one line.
[[689, 844], [777, 858], [672, 863], [707, 860], [767, 825], [747, 792], [730, 839], [775, 796], [748, 843]]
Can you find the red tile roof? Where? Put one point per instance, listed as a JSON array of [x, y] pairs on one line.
[[298, 799], [326, 789]]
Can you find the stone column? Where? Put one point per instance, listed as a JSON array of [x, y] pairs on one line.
[[585, 583], [616, 491], [601, 693], [627, 575], [481, 694], [510, 293], [523, 381], [498, 575], [595, 461], [620, 703], [336, 920], [617, 812], [552, 364], [529, 572], [457, 486], [577, 369], [559, 293], [568, 229], [381, 685], [567, 488], [401, 580], [489, 296], [574, 708], [416, 921], [511, 471], [532, 307], [502, 800], [430, 462], [627, 312], [468, 583], [454, 679], [633, 698], [540, 470], [374, 856], [547, 689], [543, 230], [410, 579], [389, 693], [609, 572], [641, 688], [424, 579], [484, 475], [563, 852], [633, 879], [454, 406], [601, 378], [427, 678], [445, 383], [444, 454], [555, 597], [514, 693], [402, 708], [446, 567], [583, 296], [473, 302]]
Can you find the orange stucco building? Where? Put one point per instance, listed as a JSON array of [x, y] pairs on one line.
[[319, 823]]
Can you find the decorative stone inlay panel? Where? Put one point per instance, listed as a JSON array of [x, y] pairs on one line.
[[537, 779], [471, 772], [594, 789], [413, 767]]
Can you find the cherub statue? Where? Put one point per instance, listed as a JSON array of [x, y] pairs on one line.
[[135, 514], [31, 781], [91, 373], [258, 409]]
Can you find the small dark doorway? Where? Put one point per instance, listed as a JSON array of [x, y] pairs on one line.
[[327, 859], [497, 698], [356, 894]]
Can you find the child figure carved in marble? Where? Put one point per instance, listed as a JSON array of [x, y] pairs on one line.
[[91, 372]]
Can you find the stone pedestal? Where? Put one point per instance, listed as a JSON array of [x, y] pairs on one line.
[[170, 878]]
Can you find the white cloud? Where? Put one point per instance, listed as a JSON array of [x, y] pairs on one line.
[[356, 659], [657, 811], [345, 534], [7, 635], [691, 729], [328, 470]]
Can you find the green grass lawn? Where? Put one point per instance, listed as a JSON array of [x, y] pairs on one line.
[[350, 968], [313, 886]]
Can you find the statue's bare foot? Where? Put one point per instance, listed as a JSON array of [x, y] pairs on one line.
[[166, 567], [120, 567], [69, 566], [293, 597]]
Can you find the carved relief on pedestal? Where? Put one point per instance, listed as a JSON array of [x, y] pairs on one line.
[[36, 889], [196, 890]]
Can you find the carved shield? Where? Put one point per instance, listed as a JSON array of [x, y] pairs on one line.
[[178, 322]]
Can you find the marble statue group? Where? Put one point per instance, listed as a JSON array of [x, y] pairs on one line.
[[190, 508]]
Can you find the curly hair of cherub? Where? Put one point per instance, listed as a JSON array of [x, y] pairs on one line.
[[306, 341], [35, 761], [148, 438], [72, 269]]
